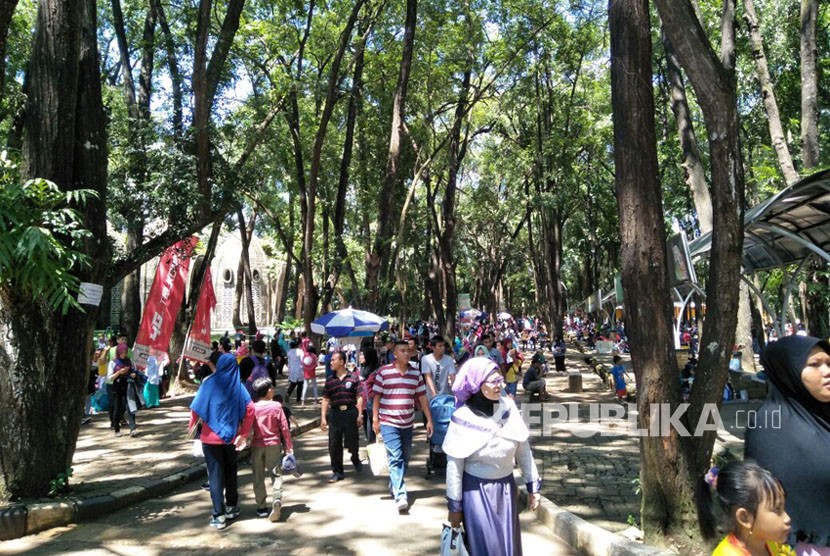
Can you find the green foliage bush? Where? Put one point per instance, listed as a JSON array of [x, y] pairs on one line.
[[41, 238]]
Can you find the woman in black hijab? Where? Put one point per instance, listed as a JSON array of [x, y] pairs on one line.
[[790, 435]]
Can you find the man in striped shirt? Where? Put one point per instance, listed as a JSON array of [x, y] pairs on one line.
[[393, 412], [343, 411]]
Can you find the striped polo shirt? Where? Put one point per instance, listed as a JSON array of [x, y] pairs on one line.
[[397, 395], [342, 391]]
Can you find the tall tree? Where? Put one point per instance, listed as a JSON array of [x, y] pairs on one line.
[[693, 171], [377, 260], [665, 476], [6, 12], [809, 85], [714, 82], [310, 194], [65, 142], [244, 276], [207, 74], [776, 130], [138, 109], [339, 221]]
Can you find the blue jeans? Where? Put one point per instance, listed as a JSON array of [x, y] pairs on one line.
[[511, 387], [398, 444]]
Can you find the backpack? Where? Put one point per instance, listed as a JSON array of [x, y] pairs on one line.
[[260, 370]]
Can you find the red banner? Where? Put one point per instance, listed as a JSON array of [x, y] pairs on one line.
[[197, 344], [163, 302]]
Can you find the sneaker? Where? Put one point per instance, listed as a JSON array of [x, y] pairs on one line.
[[86, 420], [232, 512], [134, 432], [119, 434], [276, 507], [218, 522], [335, 477], [358, 465], [262, 512], [206, 486], [402, 504]]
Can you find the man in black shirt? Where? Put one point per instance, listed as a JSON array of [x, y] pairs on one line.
[[342, 415]]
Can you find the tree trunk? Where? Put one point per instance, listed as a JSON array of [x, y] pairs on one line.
[[355, 101], [173, 67], [693, 172], [715, 85], [809, 85], [138, 109], [65, 142], [816, 307], [743, 333], [281, 294], [458, 149], [6, 12], [131, 287], [776, 130], [247, 234], [238, 291], [378, 258], [667, 506], [206, 75]]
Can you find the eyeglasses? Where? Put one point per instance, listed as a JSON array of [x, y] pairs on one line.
[[495, 382]]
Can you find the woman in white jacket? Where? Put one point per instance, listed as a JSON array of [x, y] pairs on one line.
[[485, 437]]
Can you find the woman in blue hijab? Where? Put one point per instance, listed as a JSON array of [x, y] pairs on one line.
[[227, 413]]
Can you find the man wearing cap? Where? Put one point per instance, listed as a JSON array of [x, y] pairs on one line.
[[342, 415]]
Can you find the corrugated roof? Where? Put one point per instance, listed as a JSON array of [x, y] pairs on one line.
[[784, 229]]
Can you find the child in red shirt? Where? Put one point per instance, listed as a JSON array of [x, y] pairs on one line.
[[269, 431]]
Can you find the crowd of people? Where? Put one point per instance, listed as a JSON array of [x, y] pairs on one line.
[[387, 385]]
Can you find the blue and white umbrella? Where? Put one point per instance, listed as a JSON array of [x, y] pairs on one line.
[[471, 314], [348, 322]]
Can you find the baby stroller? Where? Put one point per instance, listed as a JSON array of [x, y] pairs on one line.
[[441, 408]]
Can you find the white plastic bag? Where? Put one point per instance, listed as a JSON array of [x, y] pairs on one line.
[[197, 449], [378, 459], [452, 541]]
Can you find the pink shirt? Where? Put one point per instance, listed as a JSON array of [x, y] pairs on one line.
[[270, 425], [210, 437]]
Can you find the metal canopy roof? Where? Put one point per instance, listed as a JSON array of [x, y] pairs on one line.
[[784, 229]]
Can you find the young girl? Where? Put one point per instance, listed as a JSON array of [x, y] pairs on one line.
[[753, 501], [310, 372]]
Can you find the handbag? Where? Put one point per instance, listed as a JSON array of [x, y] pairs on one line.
[[452, 541], [378, 458]]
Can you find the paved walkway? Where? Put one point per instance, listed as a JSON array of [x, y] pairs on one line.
[[595, 476], [354, 516]]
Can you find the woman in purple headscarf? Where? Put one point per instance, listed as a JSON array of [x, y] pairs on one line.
[[485, 437]]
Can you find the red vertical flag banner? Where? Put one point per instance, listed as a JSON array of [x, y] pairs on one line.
[[163, 302], [197, 343]]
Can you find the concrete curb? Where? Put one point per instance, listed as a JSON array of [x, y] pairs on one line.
[[585, 537], [22, 519]]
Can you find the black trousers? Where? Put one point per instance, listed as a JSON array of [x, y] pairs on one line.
[[342, 429], [291, 386], [118, 403]]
